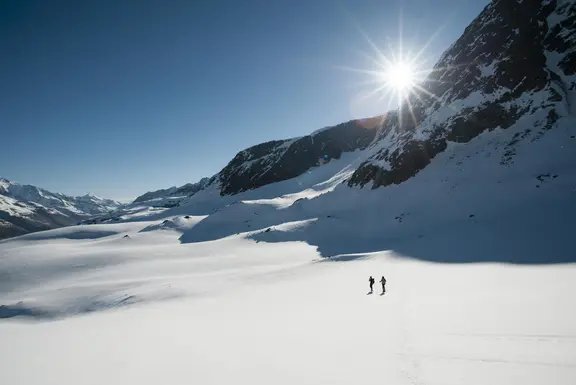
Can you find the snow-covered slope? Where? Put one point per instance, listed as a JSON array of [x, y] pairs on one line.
[[152, 204], [493, 139], [265, 170], [26, 208], [506, 84], [512, 69], [280, 160], [234, 310]]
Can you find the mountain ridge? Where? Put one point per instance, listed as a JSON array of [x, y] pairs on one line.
[[516, 59], [511, 73], [27, 208]]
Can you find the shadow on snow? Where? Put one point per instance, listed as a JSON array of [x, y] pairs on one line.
[[520, 242]]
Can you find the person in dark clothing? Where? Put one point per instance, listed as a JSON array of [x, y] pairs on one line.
[[371, 280], [383, 282]]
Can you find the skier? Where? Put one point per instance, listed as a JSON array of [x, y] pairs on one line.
[[371, 280], [383, 282]]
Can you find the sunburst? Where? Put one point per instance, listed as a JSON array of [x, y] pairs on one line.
[[395, 76]]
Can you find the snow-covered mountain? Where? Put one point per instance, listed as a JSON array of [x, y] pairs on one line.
[[152, 203], [279, 160], [27, 208], [514, 64], [513, 67], [188, 189], [253, 168], [511, 76]]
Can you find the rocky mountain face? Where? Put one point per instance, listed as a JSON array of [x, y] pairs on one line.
[[26, 208], [517, 58], [275, 161], [279, 160]]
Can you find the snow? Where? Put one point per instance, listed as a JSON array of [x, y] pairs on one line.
[[304, 321], [557, 17], [265, 287], [66, 205], [488, 70], [313, 134], [566, 88], [13, 207]]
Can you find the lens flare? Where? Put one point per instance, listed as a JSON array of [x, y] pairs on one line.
[[394, 78]]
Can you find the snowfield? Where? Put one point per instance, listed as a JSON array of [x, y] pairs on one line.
[[270, 286], [276, 313]]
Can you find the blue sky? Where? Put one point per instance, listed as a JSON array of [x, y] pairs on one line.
[[117, 98]]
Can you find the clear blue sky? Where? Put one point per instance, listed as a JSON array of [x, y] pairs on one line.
[[120, 97]]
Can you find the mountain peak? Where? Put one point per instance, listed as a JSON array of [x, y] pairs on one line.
[[511, 64], [29, 208]]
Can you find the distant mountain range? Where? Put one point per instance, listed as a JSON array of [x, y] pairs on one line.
[[27, 208]]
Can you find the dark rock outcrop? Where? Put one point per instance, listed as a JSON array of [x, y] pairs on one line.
[[281, 160]]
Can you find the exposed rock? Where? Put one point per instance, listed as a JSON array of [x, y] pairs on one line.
[[280, 160], [498, 71]]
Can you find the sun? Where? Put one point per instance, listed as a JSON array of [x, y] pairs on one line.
[[395, 77], [399, 76]]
